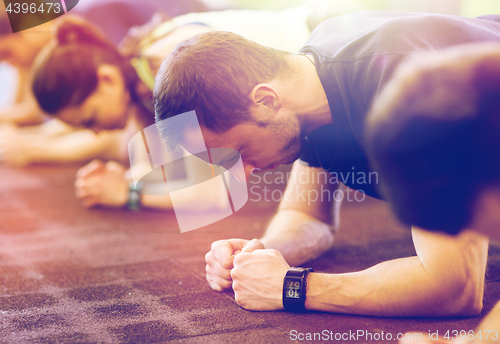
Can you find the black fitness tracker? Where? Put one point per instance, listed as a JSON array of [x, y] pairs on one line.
[[134, 196], [294, 289]]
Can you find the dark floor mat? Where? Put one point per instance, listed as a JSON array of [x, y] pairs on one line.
[[71, 275]]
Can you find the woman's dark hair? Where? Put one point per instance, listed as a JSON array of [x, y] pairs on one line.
[[65, 73]]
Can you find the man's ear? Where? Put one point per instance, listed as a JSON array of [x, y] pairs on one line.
[[264, 95], [109, 75]]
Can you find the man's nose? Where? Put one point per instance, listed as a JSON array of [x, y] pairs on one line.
[[249, 168], [243, 175]]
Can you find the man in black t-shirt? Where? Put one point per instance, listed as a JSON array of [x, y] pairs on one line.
[[273, 107]]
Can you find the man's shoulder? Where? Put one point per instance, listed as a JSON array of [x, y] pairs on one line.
[[355, 20], [365, 35]]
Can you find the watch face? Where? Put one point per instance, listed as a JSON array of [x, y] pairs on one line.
[[292, 289]]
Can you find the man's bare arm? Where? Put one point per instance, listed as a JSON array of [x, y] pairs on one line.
[[303, 229], [445, 279]]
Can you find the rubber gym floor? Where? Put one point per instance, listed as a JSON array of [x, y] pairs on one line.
[[74, 275]]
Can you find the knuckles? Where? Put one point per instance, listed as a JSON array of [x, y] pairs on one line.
[[274, 253], [236, 288], [235, 272], [237, 298], [238, 259], [226, 263], [208, 257], [216, 244], [226, 285], [240, 300]]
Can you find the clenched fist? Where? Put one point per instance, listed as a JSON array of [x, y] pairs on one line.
[[220, 260], [102, 184], [258, 276]]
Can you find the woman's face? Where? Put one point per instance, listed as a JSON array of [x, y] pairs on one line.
[[106, 108]]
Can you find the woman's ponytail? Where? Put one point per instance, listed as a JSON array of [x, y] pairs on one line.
[[75, 30]]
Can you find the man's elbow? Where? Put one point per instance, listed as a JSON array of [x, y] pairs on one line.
[[459, 279], [471, 298], [463, 297]]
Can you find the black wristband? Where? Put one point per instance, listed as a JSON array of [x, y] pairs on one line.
[[294, 289], [134, 196]]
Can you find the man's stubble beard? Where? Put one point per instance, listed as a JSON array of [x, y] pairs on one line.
[[290, 130]]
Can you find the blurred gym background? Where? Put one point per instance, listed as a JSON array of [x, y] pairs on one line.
[[469, 8]]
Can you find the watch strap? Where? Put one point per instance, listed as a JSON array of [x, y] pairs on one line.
[[134, 201], [294, 275]]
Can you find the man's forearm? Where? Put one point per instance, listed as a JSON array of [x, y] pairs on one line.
[[298, 236], [395, 288], [450, 283]]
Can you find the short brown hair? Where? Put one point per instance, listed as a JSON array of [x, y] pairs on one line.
[[65, 72], [213, 74]]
